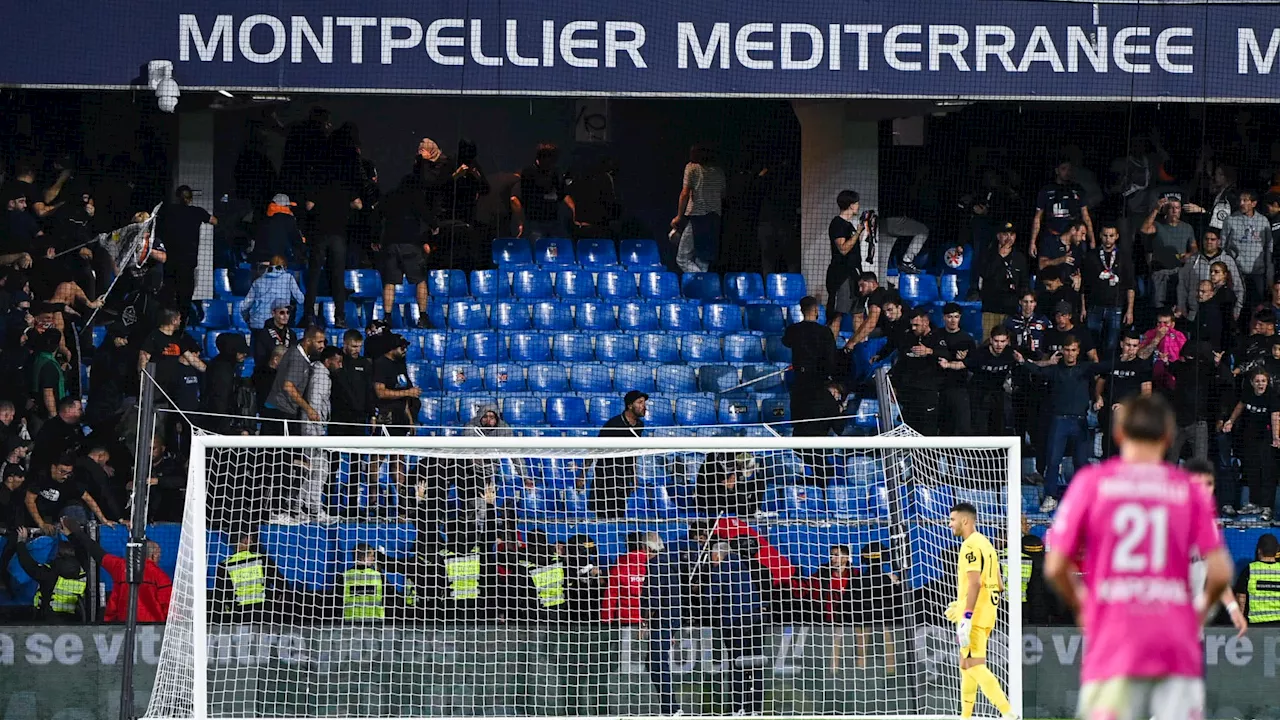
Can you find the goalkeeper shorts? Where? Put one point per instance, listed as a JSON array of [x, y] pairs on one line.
[[977, 647]]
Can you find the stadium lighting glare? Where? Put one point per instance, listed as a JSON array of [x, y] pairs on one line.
[[160, 78], [224, 93]]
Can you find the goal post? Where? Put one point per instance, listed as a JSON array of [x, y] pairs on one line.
[[495, 589]]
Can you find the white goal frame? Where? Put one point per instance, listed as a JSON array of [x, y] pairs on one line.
[[202, 443]]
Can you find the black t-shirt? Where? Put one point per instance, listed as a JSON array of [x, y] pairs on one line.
[[52, 497], [813, 351], [850, 264], [920, 372], [862, 304], [541, 191], [1123, 378], [1047, 302], [1256, 416], [1060, 205], [617, 426], [1002, 278], [1054, 339], [951, 344], [394, 375], [179, 227], [1106, 278], [166, 352], [989, 370]]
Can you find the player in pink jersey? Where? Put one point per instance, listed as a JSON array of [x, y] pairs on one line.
[[1132, 525]]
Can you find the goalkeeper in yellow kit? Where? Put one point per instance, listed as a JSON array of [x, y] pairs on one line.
[[978, 585]]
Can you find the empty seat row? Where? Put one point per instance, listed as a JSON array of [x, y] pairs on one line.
[[595, 315], [571, 411], [509, 377], [590, 252]]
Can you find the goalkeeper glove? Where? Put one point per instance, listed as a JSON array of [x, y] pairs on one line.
[[963, 628]]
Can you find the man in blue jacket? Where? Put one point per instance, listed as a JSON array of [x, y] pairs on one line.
[[736, 602], [663, 603]]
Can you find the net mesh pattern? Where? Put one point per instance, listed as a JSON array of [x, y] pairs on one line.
[[584, 583]]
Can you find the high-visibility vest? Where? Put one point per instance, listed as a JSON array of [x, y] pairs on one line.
[[248, 578], [1264, 592], [463, 575], [548, 581], [362, 595], [1026, 574], [66, 595]]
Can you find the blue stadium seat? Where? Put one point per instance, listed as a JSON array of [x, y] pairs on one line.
[[738, 411], [554, 251], [679, 316], [744, 287], [509, 315], [597, 253], [602, 407], [575, 284], [524, 412], [469, 405], [548, 315], [437, 314], [468, 315], [677, 379], [396, 320], [217, 314], [425, 376], [775, 351], [364, 284], [784, 288], [460, 377], [743, 348], [548, 377], [567, 412], [637, 316], [222, 283], [573, 347], [659, 285], [530, 347], [641, 252], [99, 334], [700, 349], [717, 378], [615, 347], [590, 377], [595, 315], [661, 411], [617, 284], [659, 348], [486, 347], [773, 384], [957, 259], [633, 376], [532, 284], [512, 251], [447, 283], [796, 501], [918, 289], [765, 318], [438, 412], [794, 315], [722, 317], [354, 313], [504, 378], [695, 411], [490, 284], [440, 346], [775, 410], [237, 317], [700, 285], [954, 287]]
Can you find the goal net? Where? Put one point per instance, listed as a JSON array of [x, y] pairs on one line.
[[580, 577]]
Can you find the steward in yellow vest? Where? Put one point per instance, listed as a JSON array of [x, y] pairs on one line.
[[1258, 586], [247, 586], [60, 597]]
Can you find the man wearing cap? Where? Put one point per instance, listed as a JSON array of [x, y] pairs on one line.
[[393, 389], [222, 379], [278, 233], [275, 332], [179, 223], [1065, 329], [615, 477], [1002, 274], [1107, 278]]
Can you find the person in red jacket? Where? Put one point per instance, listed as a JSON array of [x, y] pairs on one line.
[[626, 580], [154, 592]]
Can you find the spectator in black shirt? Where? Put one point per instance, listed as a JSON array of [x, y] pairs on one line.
[[1064, 329], [1070, 381], [330, 212], [403, 228], [1108, 283], [458, 227], [1215, 305], [13, 508], [95, 470], [867, 310], [397, 398], [1003, 273], [846, 256], [1062, 286], [222, 382], [1118, 379], [727, 485], [60, 435], [274, 333], [953, 402], [992, 366], [813, 359], [173, 351], [179, 223], [543, 194], [1257, 418], [1197, 375], [55, 491], [615, 477], [1057, 204], [917, 376]]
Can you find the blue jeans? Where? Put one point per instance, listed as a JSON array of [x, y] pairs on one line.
[[1104, 322], [1064, 429]]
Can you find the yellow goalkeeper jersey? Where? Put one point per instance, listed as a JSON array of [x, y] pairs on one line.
[[977, 554]]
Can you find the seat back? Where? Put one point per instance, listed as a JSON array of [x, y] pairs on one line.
[[639, 253], [508, 315], [512, 251], [615, 347], [700, 285], [617, 284], [597, 253], [554, 251], [784, 288], [530, 347], [532, 284], [637, 316], [595, 315], [447, 283], [551, 315], [486, 347], [743, 348], [744, 287], [574, 284], [548, 377], [658, 348], [573, 347]]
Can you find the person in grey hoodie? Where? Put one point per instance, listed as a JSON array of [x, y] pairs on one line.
[[1246, 236], [488, 422], [1196, 269]]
